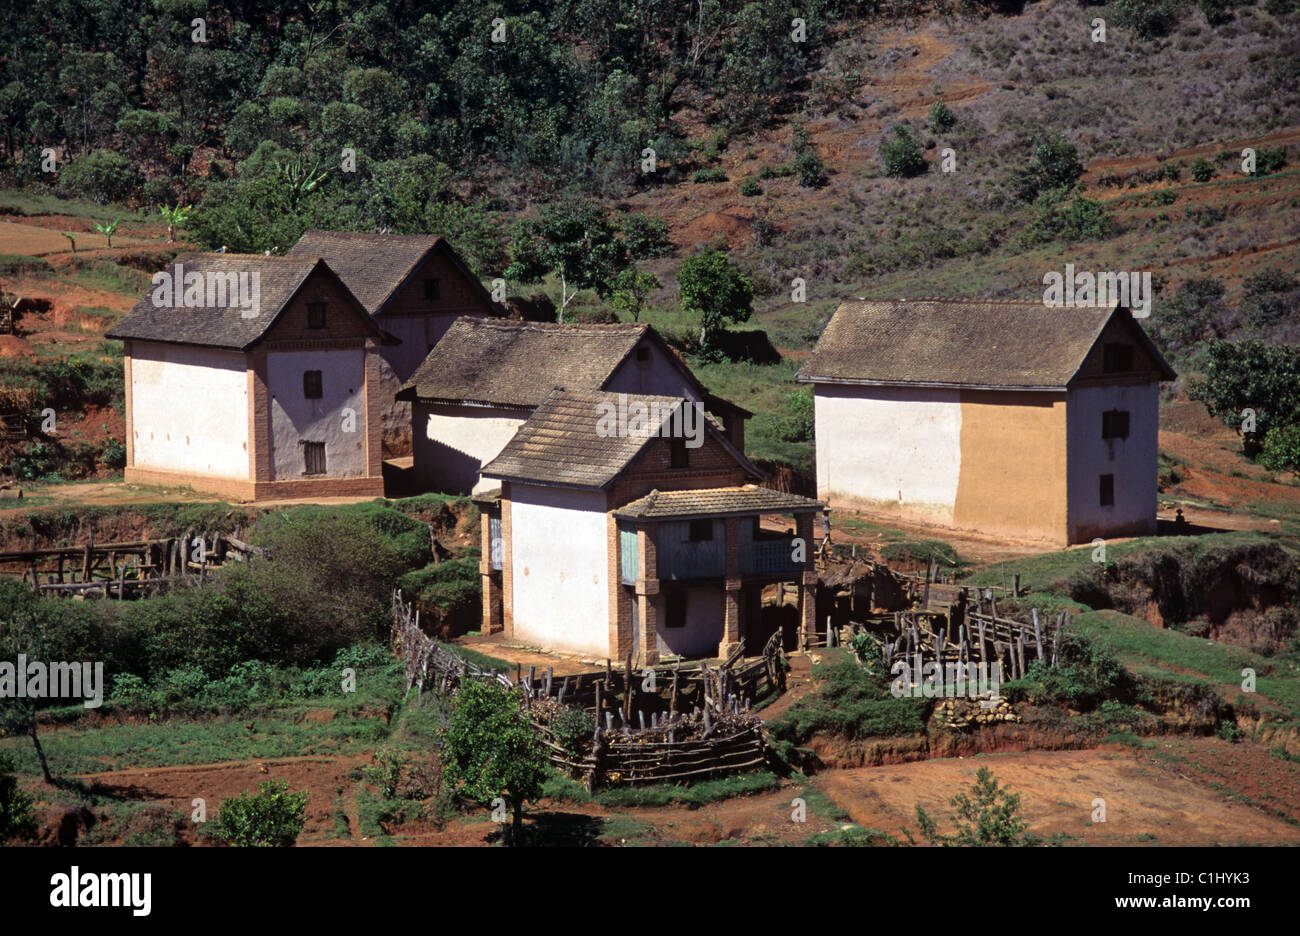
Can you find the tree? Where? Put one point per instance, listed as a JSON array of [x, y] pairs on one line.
[[574, 239], [108, 229], [991, 817], [902, 155], [271, 818], [102, 176], [631, 287], [1250, 375], [20, 634], [492, 753], [710, 287], [1192, 314]]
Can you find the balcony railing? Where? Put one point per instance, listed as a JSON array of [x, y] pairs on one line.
[[769, 557]]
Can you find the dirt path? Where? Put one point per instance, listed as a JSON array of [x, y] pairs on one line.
[[1147, 800]]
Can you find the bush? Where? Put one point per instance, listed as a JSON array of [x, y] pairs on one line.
[[102, 176], [273, 817], [901, 156], [1054, 165], [1281, 451], [799, 425], [1086, 674], [1074, 220], [941, 118], [573, 728], [750, 188], [1148, 18], [852, 703], [1202, 169], [812, 173], [989, 816], [16, 816], [646, 237], [709, 175], [1270, 297]]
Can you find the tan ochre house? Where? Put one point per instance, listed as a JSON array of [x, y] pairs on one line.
[[1009, 418], [414, 286], [636, 542], [486, 377], [257, 377]]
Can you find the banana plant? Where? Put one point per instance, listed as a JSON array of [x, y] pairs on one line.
[[175, 217], [108, 230], [72, 239]]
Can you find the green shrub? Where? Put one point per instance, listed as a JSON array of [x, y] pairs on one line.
[[17, 819], [1148, 18], [852, 703], [102, 176], [646, 237], [811, 170], [272, 817], [941, 118], [989, 816], [1086, 674], [1281, 451], [750, 187], [901, 156], [573, 728], [1202, 169], [1054, 164], [709, 175]]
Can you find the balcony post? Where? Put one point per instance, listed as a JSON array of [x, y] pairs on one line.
[[807, 579], [647, 591], [731, 623]]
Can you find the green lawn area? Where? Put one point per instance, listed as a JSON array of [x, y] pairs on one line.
[[1147, 650]]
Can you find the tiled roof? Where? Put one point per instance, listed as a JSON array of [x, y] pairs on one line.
[[372, 265], [219, 327], [957, 343], [714, 502], [562, 443], [511, 363]]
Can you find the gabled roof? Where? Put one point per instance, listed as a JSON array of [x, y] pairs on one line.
[[990, 344], [375, 266], [748, 500], [510, 363], [564, 443], [279, 279], [503, 362]]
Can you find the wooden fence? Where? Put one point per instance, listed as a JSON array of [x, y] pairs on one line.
[[127, 569], [656, 724], [982, 638]]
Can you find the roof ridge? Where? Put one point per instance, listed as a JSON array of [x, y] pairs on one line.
[[954, 299]]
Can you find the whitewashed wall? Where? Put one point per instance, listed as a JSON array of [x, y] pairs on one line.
[[295, 418], [189, 409], [452, 443], [559, 558], [1132, 461], [889, 444]]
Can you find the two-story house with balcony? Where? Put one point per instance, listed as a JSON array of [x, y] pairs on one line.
[[648, 542]]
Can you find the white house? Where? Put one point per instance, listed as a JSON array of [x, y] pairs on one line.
[[643, 543], [257, 377], [486, 376], [1010, 418]]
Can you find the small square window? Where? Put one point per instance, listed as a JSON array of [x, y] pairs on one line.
[[432, 290], [679, 455], [1116, 358], [701, 531], [313, 455], [1108, 490], [1114, 424], [311, 385], [316, 315]]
